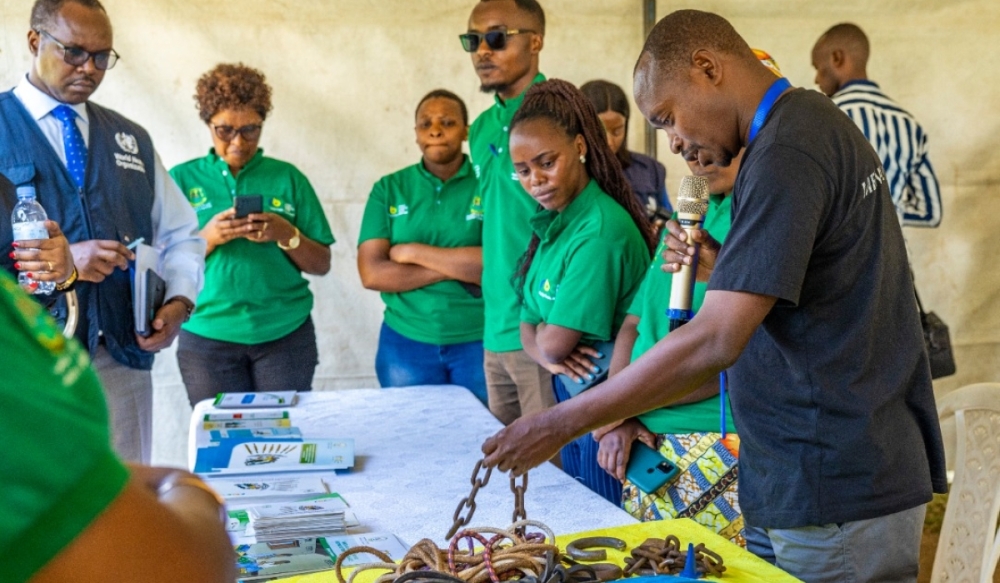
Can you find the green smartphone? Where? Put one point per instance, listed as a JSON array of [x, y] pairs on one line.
[[649, 469]]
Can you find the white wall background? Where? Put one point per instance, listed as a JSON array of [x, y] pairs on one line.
[[347, 75]]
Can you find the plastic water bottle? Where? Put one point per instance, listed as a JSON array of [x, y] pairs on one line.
[[28, 222]]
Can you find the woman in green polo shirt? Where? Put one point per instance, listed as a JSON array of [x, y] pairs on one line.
[[421, 246], [588, 253], [251, 330]]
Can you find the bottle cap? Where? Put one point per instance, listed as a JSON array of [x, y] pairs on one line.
[[25, 191]]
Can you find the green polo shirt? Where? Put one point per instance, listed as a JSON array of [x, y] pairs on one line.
[[506, 231], [253, 292], [59, 472], [414, 206], [589, 264], [650, 305]]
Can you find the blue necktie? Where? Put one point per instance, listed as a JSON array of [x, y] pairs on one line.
[[76, 149]]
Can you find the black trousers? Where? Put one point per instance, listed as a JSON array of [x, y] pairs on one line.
[[210, 367]]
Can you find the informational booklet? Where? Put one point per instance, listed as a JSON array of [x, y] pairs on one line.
[[264, 433], [262, 513], [254, 400], [240, 416], [386, 542], [241, 457], [245, 424], [254, 488], [247, 420], [266, 561]]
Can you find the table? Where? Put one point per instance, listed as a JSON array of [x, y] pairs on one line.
[[415, 449]]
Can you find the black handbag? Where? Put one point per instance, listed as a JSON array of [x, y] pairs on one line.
[[938, 342]]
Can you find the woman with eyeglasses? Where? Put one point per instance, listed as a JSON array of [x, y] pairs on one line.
[[587, 257], [265, 227], [421, 246], [646, 175]]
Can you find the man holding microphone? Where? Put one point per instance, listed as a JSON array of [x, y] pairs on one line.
[[809, 307]]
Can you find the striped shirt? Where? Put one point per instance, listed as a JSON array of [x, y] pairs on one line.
[[901, 144]]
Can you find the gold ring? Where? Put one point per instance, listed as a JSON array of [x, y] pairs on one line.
[[50, 266], [259, 234], [266, 225]]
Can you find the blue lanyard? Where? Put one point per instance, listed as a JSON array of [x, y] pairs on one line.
[[773, 92]]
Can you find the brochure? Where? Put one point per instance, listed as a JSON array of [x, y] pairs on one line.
[[239, 456], [266, 561], [254, 400], [263, 487]]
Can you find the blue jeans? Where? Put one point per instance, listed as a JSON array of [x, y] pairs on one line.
[[878, 550], [401, 362], [579, 459]]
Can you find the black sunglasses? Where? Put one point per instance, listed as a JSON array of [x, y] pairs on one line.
[[495, 39], [76, 56], [228, 133]]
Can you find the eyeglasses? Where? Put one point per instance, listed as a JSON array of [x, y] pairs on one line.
[[228, 133], [76, 56], [495, 39]]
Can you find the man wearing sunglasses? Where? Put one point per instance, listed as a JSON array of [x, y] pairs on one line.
[[97, 175], [504, 39]]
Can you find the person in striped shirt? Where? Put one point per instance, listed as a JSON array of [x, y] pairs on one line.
[[840, 58]]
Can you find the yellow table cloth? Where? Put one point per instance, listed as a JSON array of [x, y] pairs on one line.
[[741, 565]]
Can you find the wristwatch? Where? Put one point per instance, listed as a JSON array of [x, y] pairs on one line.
[[293, 243]]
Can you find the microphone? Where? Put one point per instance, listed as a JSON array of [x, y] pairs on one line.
[[692, 203]]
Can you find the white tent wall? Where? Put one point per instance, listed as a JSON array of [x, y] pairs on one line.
[[347, 75]]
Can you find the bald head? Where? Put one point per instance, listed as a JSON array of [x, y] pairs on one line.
[[674, 40], [840, 55]]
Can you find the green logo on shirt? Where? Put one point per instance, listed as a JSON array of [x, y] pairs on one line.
[[198, 199], [398, 211], [547, 290], [278, 206], [476, 210]]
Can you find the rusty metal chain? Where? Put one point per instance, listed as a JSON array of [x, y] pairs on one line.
[[470, 500], [518, 490]]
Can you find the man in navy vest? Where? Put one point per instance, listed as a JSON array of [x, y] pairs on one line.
[[97, 175]]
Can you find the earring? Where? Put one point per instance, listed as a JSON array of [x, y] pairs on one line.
[[583, 159]]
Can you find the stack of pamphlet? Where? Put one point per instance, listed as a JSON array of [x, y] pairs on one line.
[[267, 561], [290, 520], [263, 441]]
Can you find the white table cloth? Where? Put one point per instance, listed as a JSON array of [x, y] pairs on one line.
[[415, 449]]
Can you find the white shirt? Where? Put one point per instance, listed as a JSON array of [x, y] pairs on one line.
[[175, 224], [901, 144]]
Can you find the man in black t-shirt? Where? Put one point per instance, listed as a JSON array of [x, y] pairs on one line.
[[810, 307]]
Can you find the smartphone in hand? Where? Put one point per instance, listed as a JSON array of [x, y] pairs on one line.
[[247, 204], [649, 469]]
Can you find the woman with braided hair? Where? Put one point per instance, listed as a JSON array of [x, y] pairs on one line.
[[589, 250]]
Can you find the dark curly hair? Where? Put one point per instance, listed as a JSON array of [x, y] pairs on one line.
[[564, 105], [232, 87]]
